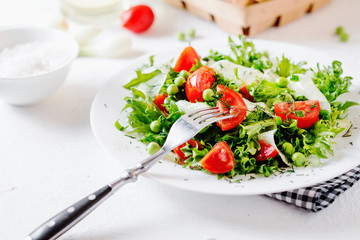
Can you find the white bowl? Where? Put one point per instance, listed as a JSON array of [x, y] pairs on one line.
[[22, 91]]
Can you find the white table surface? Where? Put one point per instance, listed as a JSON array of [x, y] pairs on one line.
[[49, 157]]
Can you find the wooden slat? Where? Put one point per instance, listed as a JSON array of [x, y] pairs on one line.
[[253, 18], [245, 2]]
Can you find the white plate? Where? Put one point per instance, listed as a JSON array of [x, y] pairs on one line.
[[109, 102]]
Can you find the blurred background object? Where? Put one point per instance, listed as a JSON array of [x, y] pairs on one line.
[[101, 12], [249, 17]]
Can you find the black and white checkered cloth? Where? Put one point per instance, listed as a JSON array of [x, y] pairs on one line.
[[318, 197]]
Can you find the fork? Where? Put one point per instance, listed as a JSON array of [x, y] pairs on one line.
[[182, 130]]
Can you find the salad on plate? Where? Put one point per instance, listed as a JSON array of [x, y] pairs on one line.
[[286, 115]]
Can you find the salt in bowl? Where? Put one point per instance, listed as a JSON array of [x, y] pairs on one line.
[[34, 63]]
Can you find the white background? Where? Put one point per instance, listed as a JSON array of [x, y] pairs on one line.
[[49, 157]]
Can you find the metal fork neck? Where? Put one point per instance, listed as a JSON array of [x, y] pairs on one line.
[[130, 175]]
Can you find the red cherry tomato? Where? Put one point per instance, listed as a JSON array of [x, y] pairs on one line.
[[193, 143], [245, 94], [159, 102], [235, 102], [305, 112], [138, 18], [266, 151], [198, 82], [186, 60], [219, 160]]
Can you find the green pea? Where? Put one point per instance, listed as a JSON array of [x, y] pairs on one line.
[[208, 95], [180, 36], [344, 37], [183, 73], [288, 148], [339, 30], [172, 89], [180, 81], [299, 159], [191, 32], [281, 82], [155, 126], [152, 148]]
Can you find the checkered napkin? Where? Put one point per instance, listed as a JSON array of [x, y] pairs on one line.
[[318, 197]]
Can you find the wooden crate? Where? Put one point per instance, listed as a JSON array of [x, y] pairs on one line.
[[245, 2], [249, 17]]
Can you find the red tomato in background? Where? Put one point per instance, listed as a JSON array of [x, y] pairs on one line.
[[193, 143], [138, 18], [266, 151], [186, 60], [198, 82], [245, 94], [305, 112], [237, 107], [159, 102], [220, 159]]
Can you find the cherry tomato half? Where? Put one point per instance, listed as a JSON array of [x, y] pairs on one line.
[[266, 151], [305, 112], [137, 18], [159, 102], [186, 60], [198, 82], [193, 143], [245, 94], [232, 102], [220, 159]]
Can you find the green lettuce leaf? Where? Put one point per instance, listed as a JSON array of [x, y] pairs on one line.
[[141, 78]]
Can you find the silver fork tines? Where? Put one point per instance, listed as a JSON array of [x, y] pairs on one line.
[[202, 110], [208, 116], [215, 117], [190, 124], [204, 113]]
